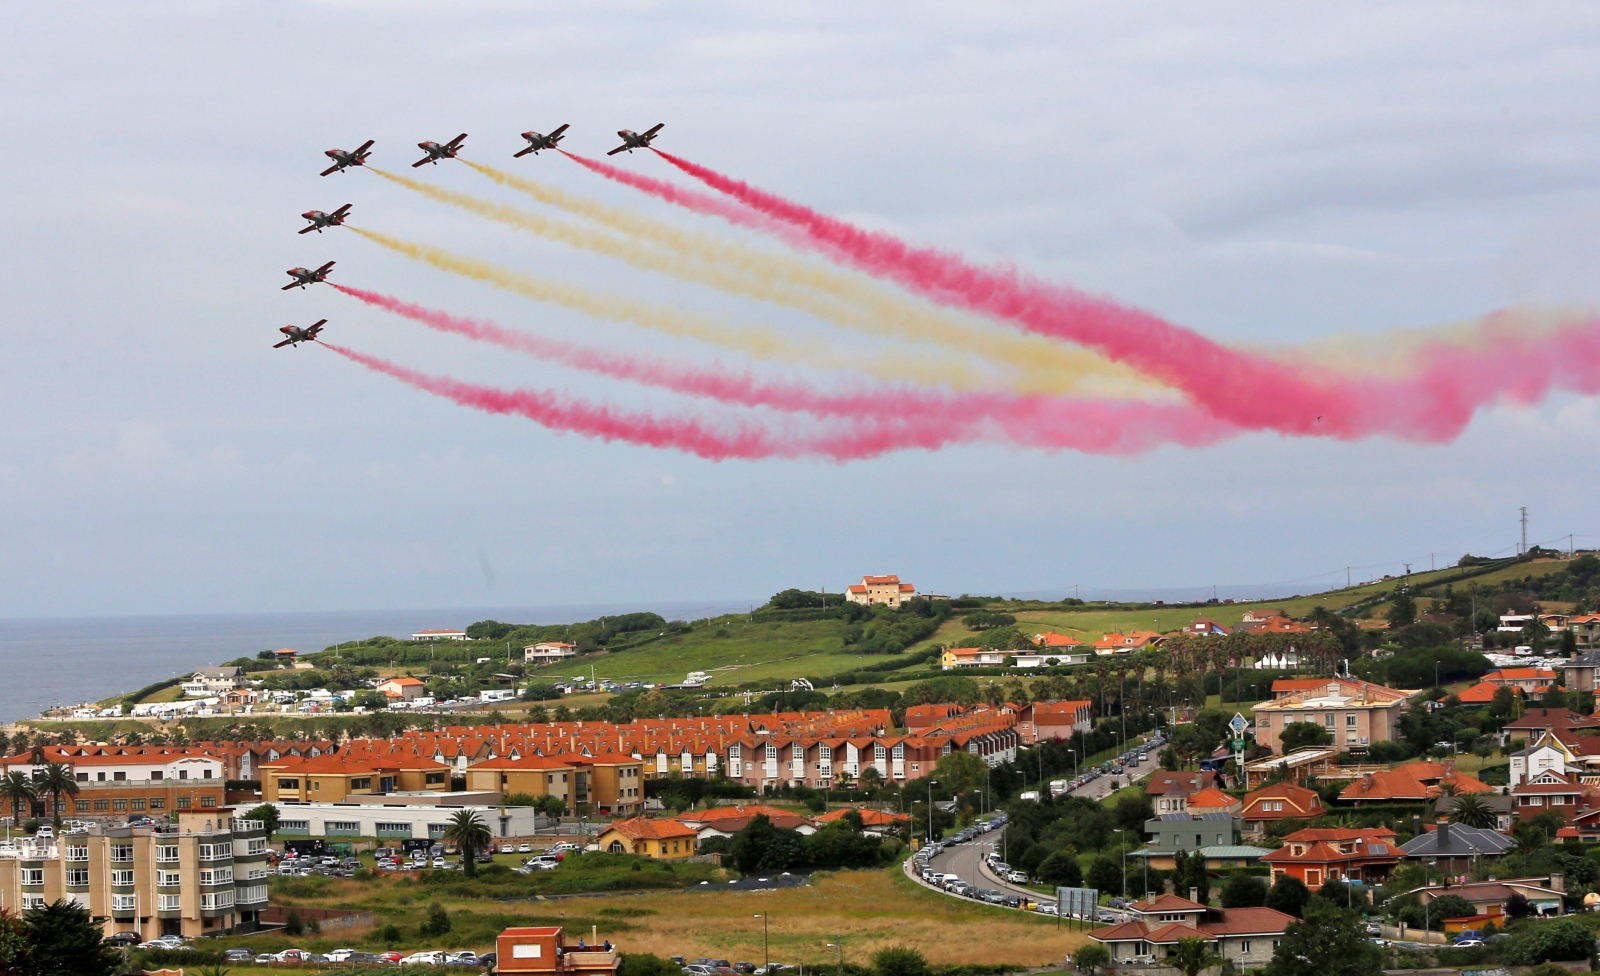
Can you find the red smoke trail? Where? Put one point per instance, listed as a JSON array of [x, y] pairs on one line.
[[1251, 391], [1095, 426], [560, 412], [694, 200]]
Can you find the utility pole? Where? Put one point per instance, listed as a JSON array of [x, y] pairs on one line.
[[1408, 569], [1522, 549], [1347, 577]]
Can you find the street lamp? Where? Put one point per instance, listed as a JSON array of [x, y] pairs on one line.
[[766, 955], [840, 946], [931, 784]]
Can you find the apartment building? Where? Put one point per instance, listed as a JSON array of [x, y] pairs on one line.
[[206, 682], [115, 785], [549, 652], [1355, 713], [205, 875], [332, 777], [402, 817]]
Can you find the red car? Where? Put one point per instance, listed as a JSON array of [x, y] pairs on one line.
[[390, 956]]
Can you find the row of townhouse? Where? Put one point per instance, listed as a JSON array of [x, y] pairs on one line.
[[115, 784], [204, 875], [681, 836]]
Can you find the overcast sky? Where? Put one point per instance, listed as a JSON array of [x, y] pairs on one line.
[[1267, 173]]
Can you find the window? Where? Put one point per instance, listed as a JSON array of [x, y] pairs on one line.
[[215, 876], [208, 801], [77, 877], [206, 775], [137, 803], [119, 803], [168, 879], [216, 852], [302, 826], [434, 779], [1328, 720], [167, 853], [33, 876], [121, 878], [255, 845], [157, 774], [158, 803], [288, 784], [183, 774], [119, 776], [255, 874], [77, 854], [365, 783], [342, 827], [1244, 947], [169, 903], [255, 894], [32, 901], [1350, 720], [212, 901], [121, 852], [393, 829], [102, 806]]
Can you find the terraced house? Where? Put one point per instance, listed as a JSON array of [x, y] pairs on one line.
[[204, 875], [116, 783]]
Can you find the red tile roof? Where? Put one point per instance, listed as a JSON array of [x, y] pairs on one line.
[[640, 828]]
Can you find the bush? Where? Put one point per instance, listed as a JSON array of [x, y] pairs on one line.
[[292, 926], [437, 923]]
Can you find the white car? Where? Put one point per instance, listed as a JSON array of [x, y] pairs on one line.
[[341, 955], [433, 958], [465, 957], [438, 862], [524, 848]]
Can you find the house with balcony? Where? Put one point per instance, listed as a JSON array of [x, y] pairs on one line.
[[1355, 713], [1214, 835], [973, 657], [885, 590], [1280, 801], [210, 682], [1318, 855], [548, 652], [204, 875]]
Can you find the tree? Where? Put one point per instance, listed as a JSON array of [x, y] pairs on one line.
[[1448, 906], [1193, 955], [267, 814], [1106, 874], [14, 948], [1244, 891], [899, 961], [1298, 735], [436, 923], [292, 925], [1061, 870], [1518, 906], [65, 941], [18, 789], [1471, 811], [1561, 939], [961, 772], [1288, 895], [646, 964], [1330, 942], [57, 781], [1092, 956], [1403, 609], [468, 831]]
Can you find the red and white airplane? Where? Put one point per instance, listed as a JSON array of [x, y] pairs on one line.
[[341, 159], [536, 141], [298, 335], [302, 277], [320, 220], [437, 152], [636, 140]]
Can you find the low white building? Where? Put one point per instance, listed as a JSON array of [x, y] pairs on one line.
[[407, 819], [434, 635], [213, 681], [549, 652]]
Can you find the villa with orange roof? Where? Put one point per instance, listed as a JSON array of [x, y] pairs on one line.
[[1355, 713], [1054, 721], [663, 839], [401, 688], [1318, 855], [549, 652], [1243, 937], [1054, 649], [973, 657], [887, 590], [1280, 801], [1138, 640], [878, 823], [1412, 782], [1213, 800]]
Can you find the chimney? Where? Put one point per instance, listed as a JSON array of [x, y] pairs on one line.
[[1449, 769], [1194, 895], [1416, 826], [1558, 881], [1444, 835]]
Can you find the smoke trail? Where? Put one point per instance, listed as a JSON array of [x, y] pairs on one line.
[[1249, 390], [1027, 421], [758, 342], [1047, 367], [560, 412]]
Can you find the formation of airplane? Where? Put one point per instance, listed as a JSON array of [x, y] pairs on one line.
[[636, 140], [537, 141], [298, 335], [341, 159], [320, 220], [437, 152], [302, 277]]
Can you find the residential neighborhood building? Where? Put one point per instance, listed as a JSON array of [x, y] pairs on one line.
[[529, 775], [332, 777], [1243, 937], [663, 839], [1214, 835], [1280, 801], [1585, 630], [877, 823], [1054, 721], [549, 652], [204, 875], [1206, 627], [1139, 640], [546, 952], [886, 590], [1412, 782], [437, 635], [1355, 713], [1560, 793], [1580, 671], [1455, 848], [114, 783], [1317, 855], [1213, 800], [1169, 790], [1502, 807], [402, 817], [973, 657], [207, 682], [402, 689], [1490, 897]]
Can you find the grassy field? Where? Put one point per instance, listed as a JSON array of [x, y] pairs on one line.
[[866, 910]]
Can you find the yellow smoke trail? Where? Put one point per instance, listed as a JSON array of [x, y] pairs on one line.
[[1042, 365], [760, 342]]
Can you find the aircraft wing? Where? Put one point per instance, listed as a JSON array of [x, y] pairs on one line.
[[325, 268], [331, 169], [654, 129], [341, 211], [523, 153], [314, 329], [309, 229], [425, 159], [283, 343], [292, 284], [620, 148], [559, 131], [456, 142], [365, 146]]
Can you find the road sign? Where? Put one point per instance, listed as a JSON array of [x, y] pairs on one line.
[[1077, 902], [1239, 724], [1238, 745]]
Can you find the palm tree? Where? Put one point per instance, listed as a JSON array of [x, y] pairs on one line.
[[468, 831], [1192, 956], [1471, 811], [17, 788], [58, 781], [1530, 837]]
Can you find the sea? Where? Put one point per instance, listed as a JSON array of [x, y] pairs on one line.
[[48, 662]]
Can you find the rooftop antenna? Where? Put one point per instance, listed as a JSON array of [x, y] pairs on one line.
[[1522, 549]]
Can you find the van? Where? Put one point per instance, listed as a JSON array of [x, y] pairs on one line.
[[1028, 795]]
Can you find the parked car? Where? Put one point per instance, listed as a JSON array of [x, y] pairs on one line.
[[239, 955], [524, 848], [426, 958], [744, 967], [122, 938], [465, 957]]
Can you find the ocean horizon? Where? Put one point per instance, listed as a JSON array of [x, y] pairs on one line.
[[56, 661]]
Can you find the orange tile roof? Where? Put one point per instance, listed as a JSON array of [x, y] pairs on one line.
[[1213, 797], [1053, 639], [869, 818], [641, 828]]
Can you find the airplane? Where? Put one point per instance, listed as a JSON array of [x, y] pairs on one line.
[[302, 277], [437, 152], [537, 142], [298, 335], [320, 220], [636, 140], [341, 159]]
